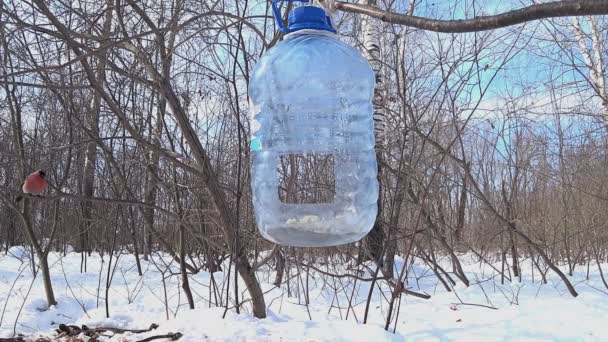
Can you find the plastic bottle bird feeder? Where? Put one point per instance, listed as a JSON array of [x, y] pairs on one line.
[[314, 176]]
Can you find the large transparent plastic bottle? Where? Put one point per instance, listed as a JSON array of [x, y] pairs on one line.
[[314, 176]]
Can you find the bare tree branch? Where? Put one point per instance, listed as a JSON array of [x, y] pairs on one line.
[[554, 9]]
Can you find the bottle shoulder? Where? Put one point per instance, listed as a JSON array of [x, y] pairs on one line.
[[312, 56], [313, 45]]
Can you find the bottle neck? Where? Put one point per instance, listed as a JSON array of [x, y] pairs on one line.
[[311, 31]]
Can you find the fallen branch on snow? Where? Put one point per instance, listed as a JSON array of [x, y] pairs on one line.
[[12, 339], [170, 336], [74, 330]]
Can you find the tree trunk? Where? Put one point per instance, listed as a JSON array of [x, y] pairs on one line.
[[255, 291], [371, 50], [512, 240], [46, 278], [183, 269], [152, 174], [594, 62], [462, 207], [90, 160], [280, 268]]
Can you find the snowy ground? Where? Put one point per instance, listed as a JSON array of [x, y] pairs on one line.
[[526, 311]]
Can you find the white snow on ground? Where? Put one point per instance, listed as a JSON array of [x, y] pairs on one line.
[[526, 311]]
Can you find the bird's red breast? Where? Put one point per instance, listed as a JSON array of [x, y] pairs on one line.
[[34, 184]]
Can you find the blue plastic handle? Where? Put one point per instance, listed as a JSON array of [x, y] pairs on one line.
[[277, 13]]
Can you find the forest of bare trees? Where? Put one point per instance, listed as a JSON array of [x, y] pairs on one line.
[[138, 113]]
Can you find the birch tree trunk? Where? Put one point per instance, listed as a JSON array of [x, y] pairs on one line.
[[371, 49], [593, 59]]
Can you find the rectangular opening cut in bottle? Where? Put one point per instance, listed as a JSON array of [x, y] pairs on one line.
[[306, 178]]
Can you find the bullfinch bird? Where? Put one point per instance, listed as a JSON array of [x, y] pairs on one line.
[[34, 184]]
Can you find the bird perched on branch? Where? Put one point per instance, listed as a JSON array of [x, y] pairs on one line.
[[34, 184]]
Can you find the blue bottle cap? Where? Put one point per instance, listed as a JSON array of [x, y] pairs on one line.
[[309, 18]]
